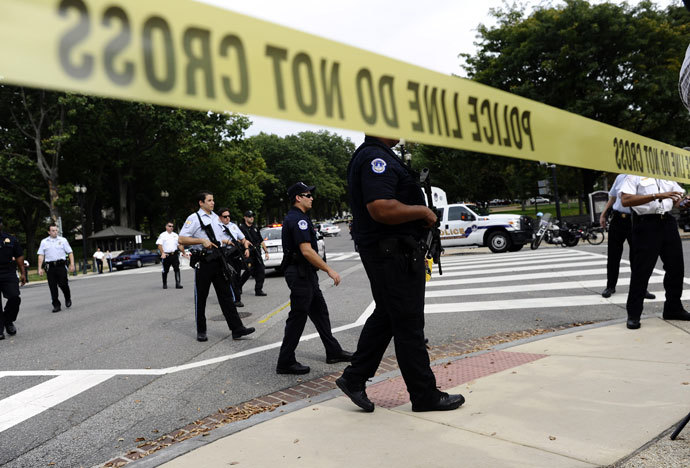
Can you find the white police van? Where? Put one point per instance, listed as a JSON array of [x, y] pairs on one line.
[[461, 225]]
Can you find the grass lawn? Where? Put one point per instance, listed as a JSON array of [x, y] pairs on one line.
[[567, 209]]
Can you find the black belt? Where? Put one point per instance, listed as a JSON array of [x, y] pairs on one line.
[[653, 217], [55, 263], [620, 214], [171, 253]]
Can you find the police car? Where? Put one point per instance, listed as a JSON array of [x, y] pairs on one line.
[[274, 244], [461, 225]]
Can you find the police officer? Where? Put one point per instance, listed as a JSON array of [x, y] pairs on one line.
[[256, 268], [170, 249], [389, 220], [202, 231], [11, 257], [620, 230], [300, 263], [52, 251], [654, 235], [237, 249]]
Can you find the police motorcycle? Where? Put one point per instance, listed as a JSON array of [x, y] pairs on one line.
[[550, 232]]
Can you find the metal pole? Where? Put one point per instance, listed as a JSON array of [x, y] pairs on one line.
[[83, 232], [555, 192]]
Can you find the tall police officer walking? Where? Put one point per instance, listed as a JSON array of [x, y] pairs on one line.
[[655, 235], [202, 230], [389, 221], [52, 251], [170, 248], [300, 263], [256, 269], [620, 230], [11, 258]]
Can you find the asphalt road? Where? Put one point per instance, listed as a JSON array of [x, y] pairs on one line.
[[124, 363]]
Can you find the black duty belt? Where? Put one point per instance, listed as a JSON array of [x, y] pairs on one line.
[[171, 253], [55, 263], [653, 217], [619, 214]]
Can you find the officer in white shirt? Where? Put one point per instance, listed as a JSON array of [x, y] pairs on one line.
[[620, 230], [52, 251], [170, 249], [208, 268], [655, 235], [236, 247]]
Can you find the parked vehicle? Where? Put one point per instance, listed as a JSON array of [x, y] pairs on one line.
[[135, 258], [272, 236], [549, 231], [329, 229], [461, 225], [593, 234], [534, 200]]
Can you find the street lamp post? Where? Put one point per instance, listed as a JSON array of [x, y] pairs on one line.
[[80, 190]]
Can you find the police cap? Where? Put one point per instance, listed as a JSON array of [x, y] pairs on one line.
[[249, 214], [300, 187]]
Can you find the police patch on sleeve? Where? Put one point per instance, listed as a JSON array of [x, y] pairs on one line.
[[303, 224], [378, 165]]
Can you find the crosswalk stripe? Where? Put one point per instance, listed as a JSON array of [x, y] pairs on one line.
[[340, 257], [517, 288], [507, 259], [521, 277], [532, 303], [453, 267], [491, 271]]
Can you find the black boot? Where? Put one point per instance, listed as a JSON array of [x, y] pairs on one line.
[[178, 280], [165, 280]]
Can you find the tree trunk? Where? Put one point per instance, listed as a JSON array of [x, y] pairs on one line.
[[123, 216]]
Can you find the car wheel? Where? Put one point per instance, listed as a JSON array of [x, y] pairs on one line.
[[139, 264], [498, 242]]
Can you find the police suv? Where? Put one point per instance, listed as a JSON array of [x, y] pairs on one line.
[[461, 225]]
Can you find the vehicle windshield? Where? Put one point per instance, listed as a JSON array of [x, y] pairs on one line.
[[271, 233], [127, 252], [327, 225]]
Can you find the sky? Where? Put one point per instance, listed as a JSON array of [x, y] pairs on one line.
[[428, 33]]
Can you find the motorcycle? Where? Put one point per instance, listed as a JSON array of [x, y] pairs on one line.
[[552, 233]]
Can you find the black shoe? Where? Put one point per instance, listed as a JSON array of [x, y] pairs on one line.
[[296, 369], [680, 314], [68, 303], [239, 304], [344, 356], [261, 293], [633, 324], [11, 329], [608, 291], [237, 334], [56, 308], [165, 286], [648, 295], [178, 286], [201, 337], [445, 403], [357, 394]]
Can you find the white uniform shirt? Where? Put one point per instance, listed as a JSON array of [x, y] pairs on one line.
[[192, 228], [168, 241], [234, 230], [615, 192], [98, 255], [54, 249], [638, 185]]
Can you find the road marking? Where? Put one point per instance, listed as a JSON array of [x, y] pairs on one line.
[[519, 277], [505, 258], [274, 312], [464, 270], [341, 257]]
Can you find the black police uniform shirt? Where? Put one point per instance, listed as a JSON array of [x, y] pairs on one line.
[[252, 233], [376, 173], [297, 229], [10, 249]]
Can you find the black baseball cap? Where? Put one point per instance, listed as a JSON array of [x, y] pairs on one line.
[[300, 187], [249, 214]]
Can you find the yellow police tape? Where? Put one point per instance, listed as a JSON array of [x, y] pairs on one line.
[[185, 54]]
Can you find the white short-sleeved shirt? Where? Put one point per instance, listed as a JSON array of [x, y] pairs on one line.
[[638, 185], [54, 249], [192, 228], [168, 241], [234, 230], [98, 255], [615, 192]]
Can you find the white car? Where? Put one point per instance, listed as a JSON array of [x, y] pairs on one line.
[[329, 229], [539, 200], [272, 236]]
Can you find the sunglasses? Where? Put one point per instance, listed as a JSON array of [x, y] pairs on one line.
[[308, 195], [169, 225], [224, 216]]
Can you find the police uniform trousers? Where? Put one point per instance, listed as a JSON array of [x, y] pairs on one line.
[[57, 277], [620, 230], [655, 236], [207, 273], [172, 260], [9, 288], [257, 270], [397, 284], [306, 300]]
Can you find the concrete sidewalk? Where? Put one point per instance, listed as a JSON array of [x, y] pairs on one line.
[[589, 396]]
